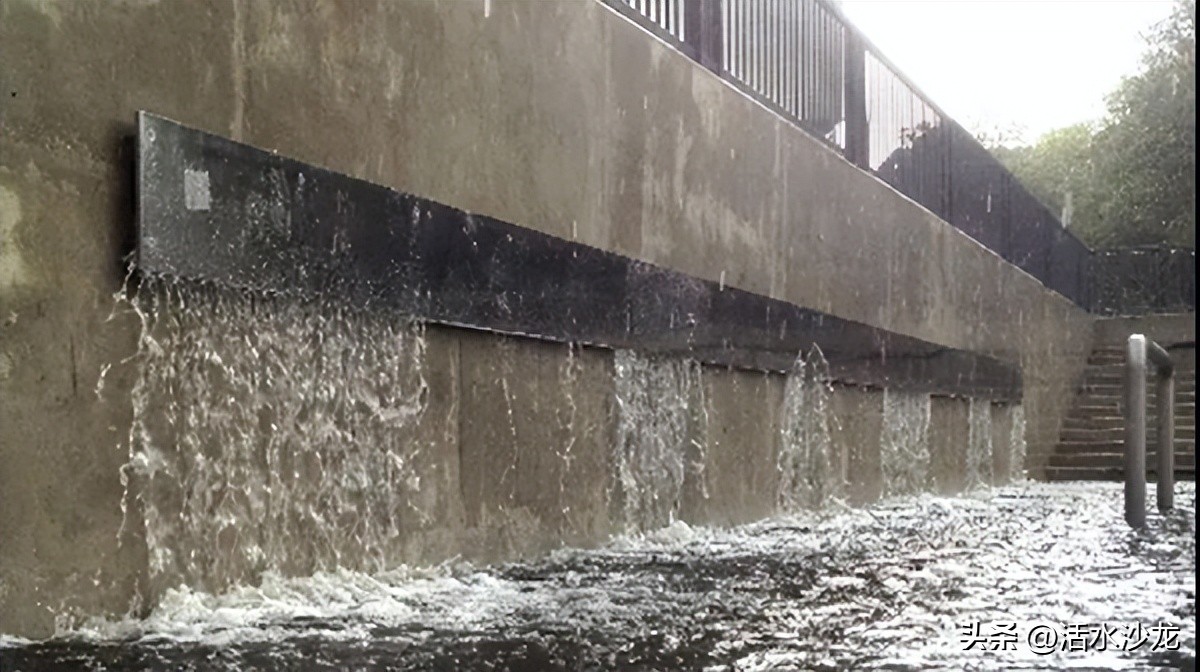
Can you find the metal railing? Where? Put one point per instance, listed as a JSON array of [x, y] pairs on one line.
[[791, 55], [1142, 280], [805, 61], [665, 15], [1139, 350]]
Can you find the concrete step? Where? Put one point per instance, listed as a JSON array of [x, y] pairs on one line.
[[1117, 433], [1107, 474], [1100, 408], [1181, 451], [1104, 408], [1106, 389], [1185, 461], [1109, 439], [1073, 442], [1093, 423], [1116, 370], [1117, 423], [1118, 383], [1106, 386], [1091, 434], [1092, 406], [1094, 428], [1118, 364], [1096, 411], [1090, 396], [1112, 421], [1117, 389], [1183, 409], [1185, 413]]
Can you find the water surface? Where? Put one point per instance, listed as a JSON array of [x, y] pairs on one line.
[[887, 587]]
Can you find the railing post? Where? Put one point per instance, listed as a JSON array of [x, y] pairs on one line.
[[1139, 350], [1135, 431], [1166, 442], [1164, 368], [857, 137], [703, 31]]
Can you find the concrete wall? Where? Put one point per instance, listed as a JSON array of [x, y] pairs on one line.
[[857, 431], [563, 117], [948, 429], [1166, 330]]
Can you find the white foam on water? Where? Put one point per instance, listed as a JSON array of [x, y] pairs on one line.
[[898, 579]]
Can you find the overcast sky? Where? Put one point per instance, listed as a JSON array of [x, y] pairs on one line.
[[1036, 64]]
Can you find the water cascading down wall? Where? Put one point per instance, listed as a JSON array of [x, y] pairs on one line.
[[669, 304]]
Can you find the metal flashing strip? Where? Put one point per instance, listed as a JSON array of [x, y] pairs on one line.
[[211, 209]]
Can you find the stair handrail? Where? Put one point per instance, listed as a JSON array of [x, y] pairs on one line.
[[1139, 350]]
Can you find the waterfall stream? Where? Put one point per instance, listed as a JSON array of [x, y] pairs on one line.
[[272, 434], [904, 444]]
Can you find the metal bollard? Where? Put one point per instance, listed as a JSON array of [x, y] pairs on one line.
[[1166, 439], [1139, 349], [1135, 431]]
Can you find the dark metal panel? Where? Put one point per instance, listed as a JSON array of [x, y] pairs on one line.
[[211, 209]]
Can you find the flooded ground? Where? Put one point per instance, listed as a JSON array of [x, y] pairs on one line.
[[1030, 576]]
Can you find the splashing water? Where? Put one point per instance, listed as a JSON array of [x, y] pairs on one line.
[[272, 434], [904, 444], [889, 587], [979, 444], [568, 376], [659, 401], [276, 436], [810, 476]]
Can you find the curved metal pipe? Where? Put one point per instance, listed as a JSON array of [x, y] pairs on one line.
[[1138, 351], [1135, 431]]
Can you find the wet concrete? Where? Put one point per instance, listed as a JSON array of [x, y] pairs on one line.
[[888, 587]]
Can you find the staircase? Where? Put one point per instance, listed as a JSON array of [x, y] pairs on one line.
[[1092, 444]]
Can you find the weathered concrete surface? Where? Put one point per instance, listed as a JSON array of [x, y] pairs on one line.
[[73, 75], [535, 433], [856, 431], [949, 425], [740, 481], [563, 117], [1002, 448], [665, 166]]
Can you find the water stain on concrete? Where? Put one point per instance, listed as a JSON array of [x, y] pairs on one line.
[[12, 266]]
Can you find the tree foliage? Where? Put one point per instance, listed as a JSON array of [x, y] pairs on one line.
[[1129, 180]]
